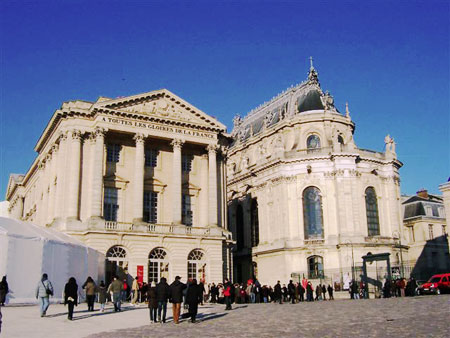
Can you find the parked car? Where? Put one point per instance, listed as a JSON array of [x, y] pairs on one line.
[[437, 284]]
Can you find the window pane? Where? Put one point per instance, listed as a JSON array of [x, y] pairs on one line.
[[151, 158], [313, 143], [110, 205], [113, 152], [312, 213], [372, 212], [186, 211], [150, 207]]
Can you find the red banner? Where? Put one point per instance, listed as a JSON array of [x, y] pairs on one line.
[[140, 274]]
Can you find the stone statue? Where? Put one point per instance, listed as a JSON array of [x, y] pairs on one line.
[[390, 144]]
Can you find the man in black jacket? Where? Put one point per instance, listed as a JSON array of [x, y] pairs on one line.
[[277, 292], [162, 295], [193, 298], [176, 297]]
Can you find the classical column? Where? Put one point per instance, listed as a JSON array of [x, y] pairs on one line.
[[204, 211], [60, 193], [73, 181], [138, 191], [96, 188], [176, 181], [212, 184]]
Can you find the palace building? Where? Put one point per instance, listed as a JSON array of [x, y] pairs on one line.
[[140, 178], [303, 199]]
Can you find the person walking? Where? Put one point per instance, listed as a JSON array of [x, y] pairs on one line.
[[4, 289], [330, 292], [227, 294], [71, 296], [135, 291], [152, 302], [193, 298], [176, 297], [324, 292], [162, 295], [277, 292], [302, 293], [90, 289], [309, 292], [102, 295], [115, 289], [291, 291], [44, 290]]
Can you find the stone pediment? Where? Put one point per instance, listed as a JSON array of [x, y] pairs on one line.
[[160, 104]]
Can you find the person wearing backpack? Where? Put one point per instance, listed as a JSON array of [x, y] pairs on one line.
[[44, 290]]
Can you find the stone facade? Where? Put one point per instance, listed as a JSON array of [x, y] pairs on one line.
[[140, 178], [427, 237], [301, 193]]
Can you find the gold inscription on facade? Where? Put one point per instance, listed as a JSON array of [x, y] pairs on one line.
[[153, 126]]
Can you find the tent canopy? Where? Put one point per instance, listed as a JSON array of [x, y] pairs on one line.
[[27, 251]]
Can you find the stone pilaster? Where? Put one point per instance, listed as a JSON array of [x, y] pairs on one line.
[[212, 184], [176, 181], [138, 184], [98, 138], [73, 180], [52, 193], [204, 211], [60, 176]]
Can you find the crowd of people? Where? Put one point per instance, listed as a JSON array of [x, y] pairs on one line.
[[193, 293]]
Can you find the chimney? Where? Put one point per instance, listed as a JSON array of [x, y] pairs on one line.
[[423, 193]]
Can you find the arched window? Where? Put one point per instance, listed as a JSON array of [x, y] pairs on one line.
[[196, 265], [116, 263], [158, 265], [340, 139], [239, 227], [373, 224], [312, 143], [312, 213], [315, 267], [255, 223]]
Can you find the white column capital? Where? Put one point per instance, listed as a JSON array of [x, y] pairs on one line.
[[63, 136], [212, 148], [99, 132], [177, 143], [139, 138], [54, 148], [76, 134]]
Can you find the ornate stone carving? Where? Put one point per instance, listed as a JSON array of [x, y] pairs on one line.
[[76, 134], [212, 148], [139, 138], [327, 101], [177, 143], [99, 132], [390, 144]]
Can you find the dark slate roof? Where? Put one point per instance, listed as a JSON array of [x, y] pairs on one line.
[[310, 101]]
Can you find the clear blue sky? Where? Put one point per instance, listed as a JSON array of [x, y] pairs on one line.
[[389, 60]]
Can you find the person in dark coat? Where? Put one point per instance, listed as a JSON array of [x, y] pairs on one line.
[[3, 291], [330, 292], [291, 291], [387, 289], [277, 292], [176, 297], [324, 292], [102, 295], [309, 292], [193, 298], [162, 295], [301, 291], [152, 301], [71, 296]]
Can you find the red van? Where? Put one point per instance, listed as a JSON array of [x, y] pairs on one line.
[[437, 284]]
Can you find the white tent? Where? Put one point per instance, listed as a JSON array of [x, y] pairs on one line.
[[27, 251]]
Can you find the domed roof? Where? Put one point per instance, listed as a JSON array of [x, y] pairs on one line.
[[310, 100]]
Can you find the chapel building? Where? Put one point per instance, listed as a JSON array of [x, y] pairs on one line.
[[303, 199], [139, 178]]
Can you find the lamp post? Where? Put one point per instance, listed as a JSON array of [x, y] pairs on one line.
[[353, 259]]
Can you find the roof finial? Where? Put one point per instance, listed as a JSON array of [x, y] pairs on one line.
[[313, 77], [347, 112]]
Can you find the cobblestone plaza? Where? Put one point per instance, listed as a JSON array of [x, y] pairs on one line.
[[400, 317]]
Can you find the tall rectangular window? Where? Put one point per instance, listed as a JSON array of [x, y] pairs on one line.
[[186, 210], [186, 163], [150, 207], [110, 204], [430, 231], [113, 153], [151, 158], [444, 229]]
